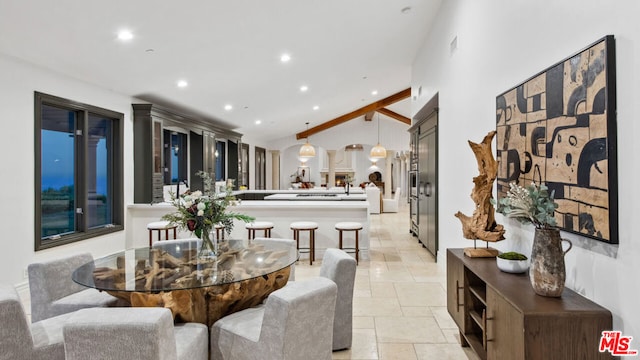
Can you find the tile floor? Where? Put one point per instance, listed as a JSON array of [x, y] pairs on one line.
[[400, 304]]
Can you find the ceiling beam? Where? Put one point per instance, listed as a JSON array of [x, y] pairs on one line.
[[392, 114], [369, 116], [354, 114]]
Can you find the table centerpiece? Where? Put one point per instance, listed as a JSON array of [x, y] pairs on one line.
[[199, 212]]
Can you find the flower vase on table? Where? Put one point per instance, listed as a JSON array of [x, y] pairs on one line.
[[208, 247], [199, 211]]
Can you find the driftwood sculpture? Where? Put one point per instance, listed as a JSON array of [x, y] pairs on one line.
[[482, 225]]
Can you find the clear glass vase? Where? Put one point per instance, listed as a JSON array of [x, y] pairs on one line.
[[208, 247]]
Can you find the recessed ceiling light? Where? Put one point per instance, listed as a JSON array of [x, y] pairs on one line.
[[125, 35], [228, 107], [316, 107], [258, 122], [374, 92], [304, 88], [182, 83], [285, 58]]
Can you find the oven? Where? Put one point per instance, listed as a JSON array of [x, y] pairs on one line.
[[413, 183]]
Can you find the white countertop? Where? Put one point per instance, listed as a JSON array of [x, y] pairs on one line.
[[319, 190], [317, 197], [268, 204]]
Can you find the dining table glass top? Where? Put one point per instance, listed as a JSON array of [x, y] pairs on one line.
[[174, 265]]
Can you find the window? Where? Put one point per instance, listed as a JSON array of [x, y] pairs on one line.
[[220, 154], [78, 175], [175, 157]]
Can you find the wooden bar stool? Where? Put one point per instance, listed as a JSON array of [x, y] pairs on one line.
[[159, 226], [311, 227], [258, 225], [219, 231], [349, 226]]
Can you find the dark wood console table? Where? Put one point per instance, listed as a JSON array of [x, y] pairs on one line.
[[500, 316]]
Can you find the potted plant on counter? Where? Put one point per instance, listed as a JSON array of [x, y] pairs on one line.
[[512, 262]]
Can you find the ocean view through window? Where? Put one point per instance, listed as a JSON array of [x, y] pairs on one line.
[[78, 171]]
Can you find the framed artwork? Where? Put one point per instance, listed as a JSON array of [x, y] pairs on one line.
[[303, 174], [559, 128]]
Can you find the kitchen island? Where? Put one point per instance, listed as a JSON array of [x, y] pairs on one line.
[[281, 212]]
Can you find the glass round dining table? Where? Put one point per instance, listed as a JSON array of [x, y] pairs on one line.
[[170, 274]]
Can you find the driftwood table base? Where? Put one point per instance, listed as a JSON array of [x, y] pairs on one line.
[[208, 304], [195, 289]]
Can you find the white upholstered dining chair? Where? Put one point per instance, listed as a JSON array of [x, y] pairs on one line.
[[21, 340], [295, 322], [340, 268], [53, 292], [133, 333]]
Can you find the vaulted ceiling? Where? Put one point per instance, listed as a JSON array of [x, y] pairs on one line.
[[349, 54]]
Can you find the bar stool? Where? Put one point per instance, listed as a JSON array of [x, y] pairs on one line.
[[219, 231], [349, 226], [159, 226], [311, 227], [258, 225]]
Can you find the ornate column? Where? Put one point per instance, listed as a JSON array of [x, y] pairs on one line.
[[403, 174], [331, 180], [275, 169], [387, 173]]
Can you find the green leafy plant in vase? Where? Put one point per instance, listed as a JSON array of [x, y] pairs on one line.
[[535, 205], [512, 262]]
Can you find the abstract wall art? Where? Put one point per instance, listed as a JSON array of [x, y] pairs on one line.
[[559, 127]]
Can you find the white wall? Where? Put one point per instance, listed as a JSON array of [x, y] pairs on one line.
[[500, 44], [18, 81]]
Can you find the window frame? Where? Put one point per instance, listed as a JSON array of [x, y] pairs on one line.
[[82, 231]]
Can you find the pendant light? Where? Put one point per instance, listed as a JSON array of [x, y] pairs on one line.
[[378, 151], [307, 150]]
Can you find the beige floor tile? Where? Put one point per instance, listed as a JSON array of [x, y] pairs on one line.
[[383, 290], [440, 352], [392, 276], [410, 256], [389, 351], [443, 318], [410, 311], [364, 346], [363, 322], [452, 335], [359, 293], [400, 329], [376, 307], [421, 294]]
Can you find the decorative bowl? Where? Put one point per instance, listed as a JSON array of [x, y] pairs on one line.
[[512, 266]]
